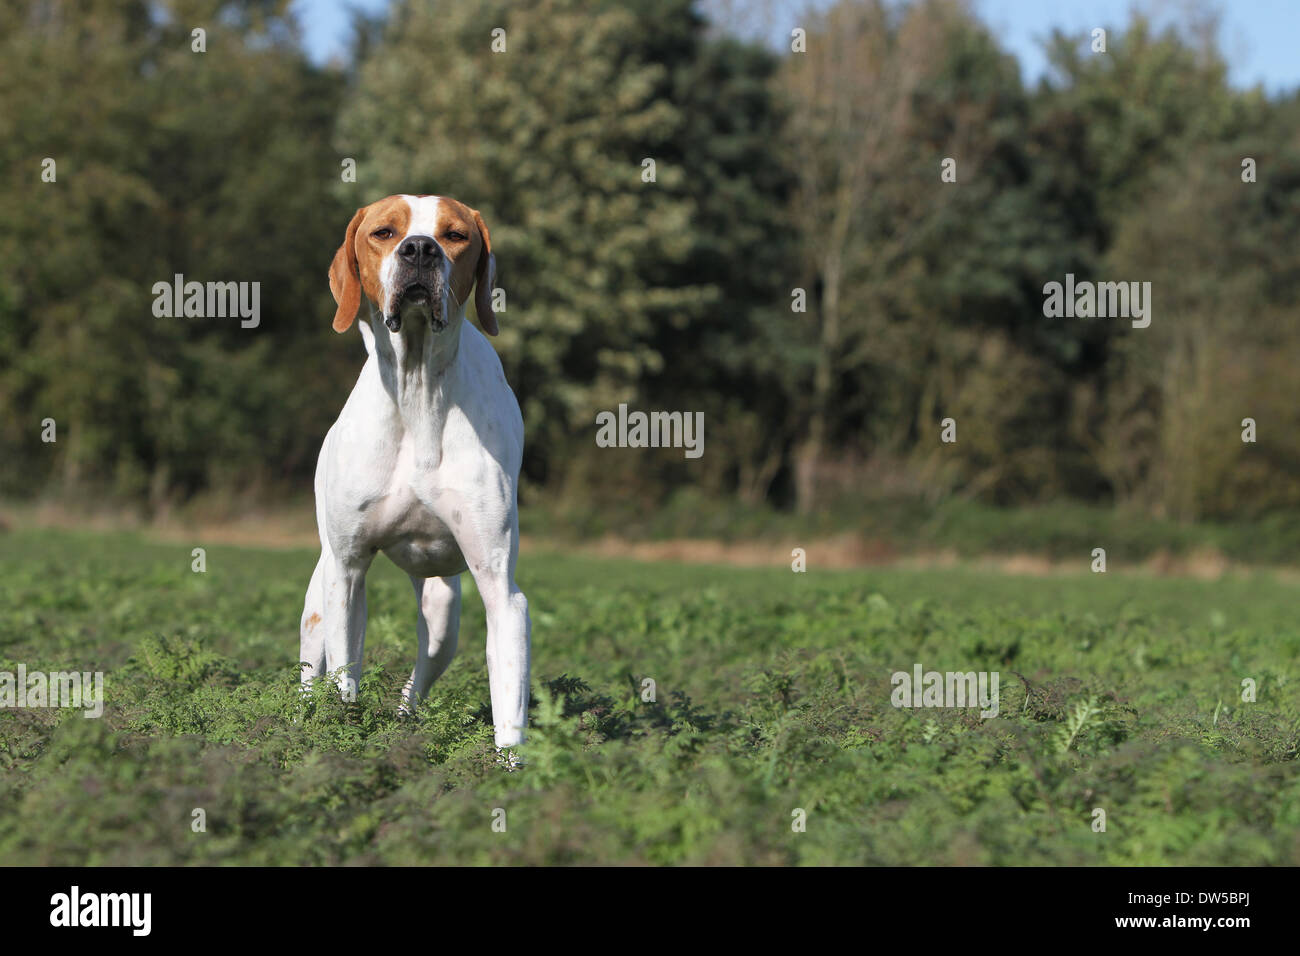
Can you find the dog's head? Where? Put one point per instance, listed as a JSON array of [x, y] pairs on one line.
[[416, 258]]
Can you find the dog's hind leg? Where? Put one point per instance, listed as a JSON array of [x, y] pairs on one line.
[[311, 649], [437, 625]]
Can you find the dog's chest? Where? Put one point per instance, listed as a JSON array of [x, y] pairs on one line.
[[412, 521]]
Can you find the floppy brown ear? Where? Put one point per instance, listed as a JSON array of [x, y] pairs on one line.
[[345, 283], [485, 279]]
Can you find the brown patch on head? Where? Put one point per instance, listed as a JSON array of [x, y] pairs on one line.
[[374, 230], [472, 261], [455, 220]]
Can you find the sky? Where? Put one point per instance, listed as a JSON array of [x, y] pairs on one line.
[[1259, 37]]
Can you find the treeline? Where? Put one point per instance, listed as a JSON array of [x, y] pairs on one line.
[[845, 242]]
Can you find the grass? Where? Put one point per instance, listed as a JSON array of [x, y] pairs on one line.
[[772, 696]]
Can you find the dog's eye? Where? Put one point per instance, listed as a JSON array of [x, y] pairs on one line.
[[384, 233], [457, 236]]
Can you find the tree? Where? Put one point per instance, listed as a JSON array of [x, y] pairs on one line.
[[903, 262], [612, 276], [213, 165]]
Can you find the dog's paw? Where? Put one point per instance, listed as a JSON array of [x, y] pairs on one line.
[[509, 759]]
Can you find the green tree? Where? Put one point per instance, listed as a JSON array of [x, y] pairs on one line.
[[914, 274], [214, 165], [546, 139]]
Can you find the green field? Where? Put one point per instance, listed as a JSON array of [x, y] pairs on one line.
[[773, 694]]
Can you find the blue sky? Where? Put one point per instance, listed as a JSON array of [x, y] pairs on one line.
[[1259, 37]]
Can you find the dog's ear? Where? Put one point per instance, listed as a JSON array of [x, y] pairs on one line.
[[485, 279], [345, 283]]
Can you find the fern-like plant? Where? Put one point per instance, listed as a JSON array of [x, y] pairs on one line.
[[1083, 716]]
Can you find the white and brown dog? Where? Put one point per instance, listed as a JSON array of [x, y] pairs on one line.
[[423, 461]]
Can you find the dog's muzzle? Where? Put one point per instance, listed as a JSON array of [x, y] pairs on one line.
[[420, 282], [423, 295]]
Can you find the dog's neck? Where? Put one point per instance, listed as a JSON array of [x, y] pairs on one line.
[[417, 367]]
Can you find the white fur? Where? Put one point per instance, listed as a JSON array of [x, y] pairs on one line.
[[423, 465]]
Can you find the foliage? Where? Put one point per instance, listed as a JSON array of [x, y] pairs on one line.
[[168, 162], [772, 694], [776, 171]]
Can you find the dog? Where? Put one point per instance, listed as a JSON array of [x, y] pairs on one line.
[[423, 461]]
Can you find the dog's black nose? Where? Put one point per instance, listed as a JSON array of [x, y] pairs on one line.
[[419, 250]]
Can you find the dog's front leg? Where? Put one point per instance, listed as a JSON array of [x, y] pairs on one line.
[[508, 635], [507, 660], [344, 587]]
